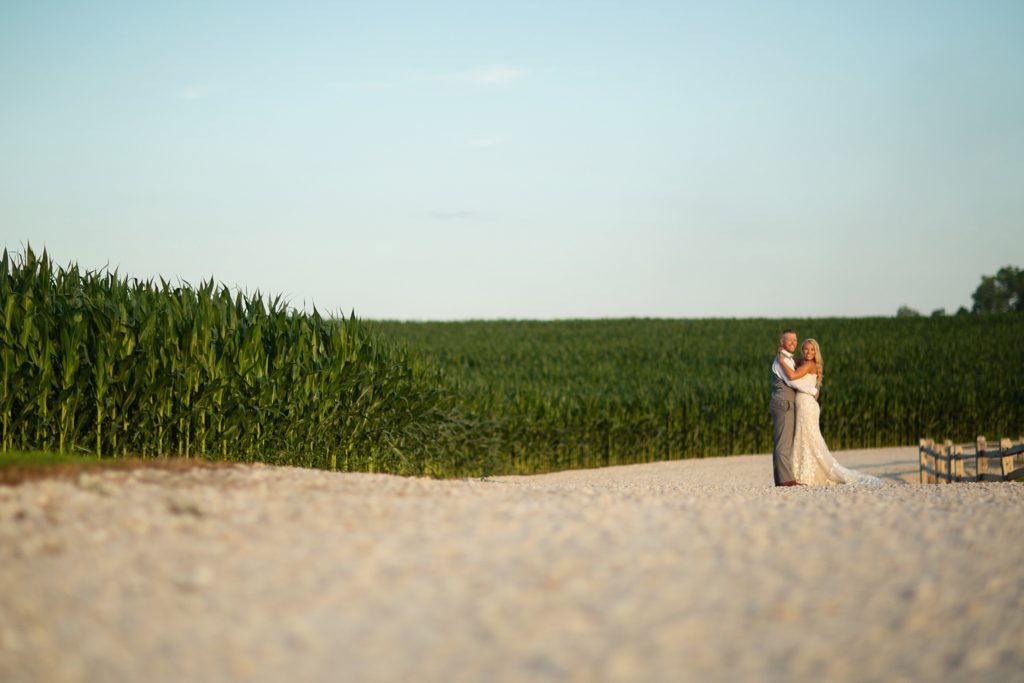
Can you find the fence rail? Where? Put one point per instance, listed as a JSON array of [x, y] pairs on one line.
[[948, 462]]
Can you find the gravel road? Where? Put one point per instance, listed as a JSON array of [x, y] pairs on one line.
[[694, 570]]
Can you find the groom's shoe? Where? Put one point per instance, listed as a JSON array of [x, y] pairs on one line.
[[789, 483]]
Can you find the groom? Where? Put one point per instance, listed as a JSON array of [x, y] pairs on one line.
[[783, 409]]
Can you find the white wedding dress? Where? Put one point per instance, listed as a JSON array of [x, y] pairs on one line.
[[813, 463]]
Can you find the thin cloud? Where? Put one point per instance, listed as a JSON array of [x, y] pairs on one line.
[[194, 93], [461, 215], [489, 76], [485, 142], [497, 75], [364, 85]]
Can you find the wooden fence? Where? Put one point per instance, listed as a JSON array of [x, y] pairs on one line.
[[949, 462]]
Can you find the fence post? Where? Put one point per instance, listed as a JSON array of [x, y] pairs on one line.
[[932, 476], [950, 462], [942, 463], [980, 458], [1006, 461], [957, 465], [922, 458]]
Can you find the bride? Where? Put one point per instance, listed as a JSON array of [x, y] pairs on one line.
[[812, 462]]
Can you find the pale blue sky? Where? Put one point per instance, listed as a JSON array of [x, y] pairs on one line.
[[539, 160]]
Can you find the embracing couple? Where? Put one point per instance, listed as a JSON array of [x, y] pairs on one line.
[[800, 456]]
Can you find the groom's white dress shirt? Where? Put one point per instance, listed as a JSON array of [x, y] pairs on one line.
[[792, 366]]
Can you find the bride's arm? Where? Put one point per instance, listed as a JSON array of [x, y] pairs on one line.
[[804, 369]]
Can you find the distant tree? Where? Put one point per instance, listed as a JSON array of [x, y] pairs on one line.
[[962, 311], [1000, 293], [907, 312], [938, 312]]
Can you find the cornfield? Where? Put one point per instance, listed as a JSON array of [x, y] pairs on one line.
[[95, 363], [91, 362], [562, 394]]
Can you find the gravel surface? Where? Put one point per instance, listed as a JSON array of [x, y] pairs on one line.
[[695, 570]]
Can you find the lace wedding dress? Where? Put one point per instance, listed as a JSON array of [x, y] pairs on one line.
[[813, 463]]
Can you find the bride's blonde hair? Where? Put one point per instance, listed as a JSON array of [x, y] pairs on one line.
[[818, 362]]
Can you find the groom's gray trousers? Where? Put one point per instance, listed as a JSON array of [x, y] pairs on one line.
[[783, 409]]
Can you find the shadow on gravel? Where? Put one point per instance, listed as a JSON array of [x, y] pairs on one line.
[[900, 477]]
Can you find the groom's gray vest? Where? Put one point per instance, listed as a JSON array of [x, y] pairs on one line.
[[780, 389]]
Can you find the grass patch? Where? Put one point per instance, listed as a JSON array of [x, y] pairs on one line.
[[43, 459]]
